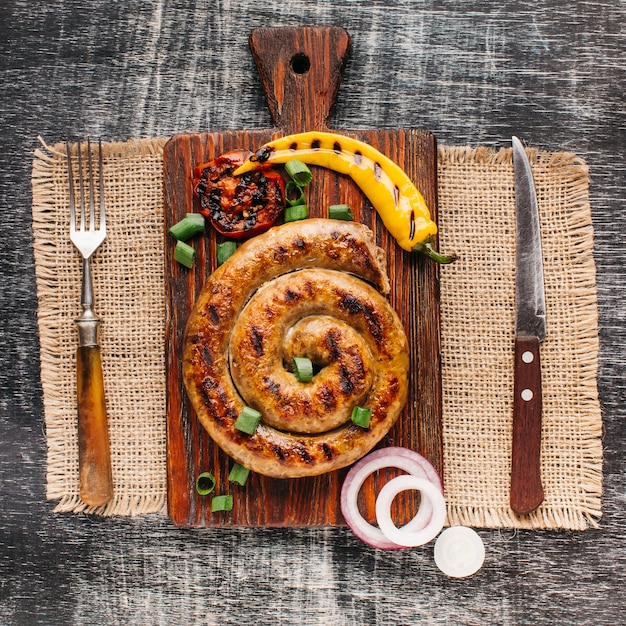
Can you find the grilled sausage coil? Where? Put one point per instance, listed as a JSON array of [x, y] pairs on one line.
[[297, 290]]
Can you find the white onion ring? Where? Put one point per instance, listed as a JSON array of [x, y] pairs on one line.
[[400, 458], [408, 535]]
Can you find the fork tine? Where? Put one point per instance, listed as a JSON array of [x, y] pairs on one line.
[[70, 174], [103, 223], [92, 208], [81, 184]]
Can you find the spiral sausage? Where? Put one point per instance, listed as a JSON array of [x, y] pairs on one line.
[[297, 290]]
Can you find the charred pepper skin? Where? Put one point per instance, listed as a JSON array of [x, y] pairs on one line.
[[401, 206]]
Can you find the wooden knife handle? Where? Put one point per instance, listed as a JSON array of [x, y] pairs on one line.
[[300, 69], [94, 458], [526, 489]]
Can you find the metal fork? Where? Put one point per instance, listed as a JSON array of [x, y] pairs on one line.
[[87, 234]]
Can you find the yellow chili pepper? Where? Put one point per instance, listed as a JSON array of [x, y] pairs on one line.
[[400, 205]]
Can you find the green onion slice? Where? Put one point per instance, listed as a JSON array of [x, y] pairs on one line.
[[292, 189], [192, 224], [248, 420], [361, 416], [299, 172], [302, 369], [340, 212], [238, 474], [222, 503], [184, 254], [225, 251], [297, 212], [205, 483]]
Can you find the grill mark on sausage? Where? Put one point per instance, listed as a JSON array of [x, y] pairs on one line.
[[351, 373], [302, 452], [351, 304], [331, 343], [273, 387], [354, 306], [280, 253], [216, 399], [292, 296], [208, 357], [358, 255], [270, 313], [256, 341], [280, 452], [327, 397], [345, 380], [214, 314], [327, 450]]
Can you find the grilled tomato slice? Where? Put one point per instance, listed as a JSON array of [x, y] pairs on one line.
[[242, 206]]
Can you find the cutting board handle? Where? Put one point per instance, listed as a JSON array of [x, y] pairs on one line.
[[301, 69]]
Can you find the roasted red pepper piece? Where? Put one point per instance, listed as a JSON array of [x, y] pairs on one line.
[[243, 206]]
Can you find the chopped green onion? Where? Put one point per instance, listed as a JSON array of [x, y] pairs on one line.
[[300, 197], [184, 254], [340, 212], [302, 369], [222, 503], [361, 416], [299, 172], [248, 420], [295, 213], [238, 474], [205, 483], [192, 224], [225, 251]]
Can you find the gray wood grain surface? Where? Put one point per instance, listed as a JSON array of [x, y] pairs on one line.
[[474, 72]]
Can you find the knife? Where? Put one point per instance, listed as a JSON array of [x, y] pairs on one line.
[[530, 331]]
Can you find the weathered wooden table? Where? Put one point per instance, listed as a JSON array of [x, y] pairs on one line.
[[473, 73]]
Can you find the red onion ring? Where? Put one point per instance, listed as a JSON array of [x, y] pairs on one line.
[[401, 458]]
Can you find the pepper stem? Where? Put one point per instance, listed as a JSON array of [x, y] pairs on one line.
[[426, 248]]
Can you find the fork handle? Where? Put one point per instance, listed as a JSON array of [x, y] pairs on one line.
[[94, 458]]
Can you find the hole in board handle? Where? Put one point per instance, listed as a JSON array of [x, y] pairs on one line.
[[300, 63]]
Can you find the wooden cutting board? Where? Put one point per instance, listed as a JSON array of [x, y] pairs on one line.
[[300, 69]]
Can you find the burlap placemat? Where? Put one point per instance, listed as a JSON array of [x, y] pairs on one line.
[[477, 304]]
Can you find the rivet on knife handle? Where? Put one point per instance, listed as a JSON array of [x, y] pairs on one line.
[[526, 489]]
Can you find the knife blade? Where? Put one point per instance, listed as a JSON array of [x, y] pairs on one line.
[[530, 330]]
